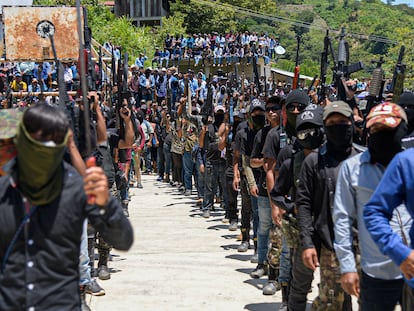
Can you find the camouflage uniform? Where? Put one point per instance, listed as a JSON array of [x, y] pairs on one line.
[[331, 294], [275, 249], [290, 230], [9, 121]]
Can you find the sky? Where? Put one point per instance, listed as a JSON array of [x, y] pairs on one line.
[[409, 2]]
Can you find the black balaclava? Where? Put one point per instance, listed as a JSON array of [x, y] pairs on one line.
[[290, 124], [218, 119], [312, 141], [258, 121], [384, 145], [410, 118], [339, 140]]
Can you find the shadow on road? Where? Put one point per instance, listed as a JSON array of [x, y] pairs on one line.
[[264, 306], [239, 257]]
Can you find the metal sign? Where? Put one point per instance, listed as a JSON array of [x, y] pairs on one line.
[[280, 50], [27, 32]]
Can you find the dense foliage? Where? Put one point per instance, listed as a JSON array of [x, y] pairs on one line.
[[367, 17]]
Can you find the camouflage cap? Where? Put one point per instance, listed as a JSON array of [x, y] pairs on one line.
[[9, 121], [388, 114]]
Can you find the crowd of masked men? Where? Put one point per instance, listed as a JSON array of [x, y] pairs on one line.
[[304, 168]]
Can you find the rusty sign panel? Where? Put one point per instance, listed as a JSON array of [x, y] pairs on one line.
[[26, 32]]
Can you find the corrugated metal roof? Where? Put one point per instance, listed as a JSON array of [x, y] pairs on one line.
[[290, 74]]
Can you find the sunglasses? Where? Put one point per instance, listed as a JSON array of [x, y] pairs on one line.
[[305, 133], [292, 107], [273, 109]]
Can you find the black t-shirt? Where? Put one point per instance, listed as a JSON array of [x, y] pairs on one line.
[[271, 146], [287, 152], [259, 173], [240, 136], [211, 140], [113, 139]]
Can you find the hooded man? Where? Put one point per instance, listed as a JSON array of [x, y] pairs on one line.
[[379, 285], [314, 201], [44, 204]]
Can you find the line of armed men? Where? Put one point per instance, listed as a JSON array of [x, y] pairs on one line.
[[286, 150]]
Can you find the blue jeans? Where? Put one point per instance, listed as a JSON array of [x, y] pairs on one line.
[[285, 266], [84, 267], [214, 172], [167, 157], [201, 182], [265, 224], [147, 158], [255, 216], [188, 166]]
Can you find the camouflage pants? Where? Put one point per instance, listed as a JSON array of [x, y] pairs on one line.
[[275, 247], [290, 231], [331, 295]]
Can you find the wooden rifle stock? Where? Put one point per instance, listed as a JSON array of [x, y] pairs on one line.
[[295, 82]]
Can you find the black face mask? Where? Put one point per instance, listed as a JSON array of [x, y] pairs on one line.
[[312, 141], [339, 140], [258, 121], [218, 119], [410, 118], [234, 127], [384, 145]]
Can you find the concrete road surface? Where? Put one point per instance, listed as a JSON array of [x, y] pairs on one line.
[[181, 261]]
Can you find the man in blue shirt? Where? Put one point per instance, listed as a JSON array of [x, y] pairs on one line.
[[380, 285]]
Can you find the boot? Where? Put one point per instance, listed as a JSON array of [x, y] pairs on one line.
[[125, 207], [255, 257], [103, 270], [272, 285], [84, 305], [245, 244], [166, 178], [91, 252], [285, 296]]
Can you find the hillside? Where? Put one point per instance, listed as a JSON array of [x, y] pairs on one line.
[[363, 21]]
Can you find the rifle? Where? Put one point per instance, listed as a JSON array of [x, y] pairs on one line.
[[207, 108], [91, 73], [123, 93], [323, 90], [375, 94], [314, 84], [100, 75], [256, 73], [296, 75], [342, 68], [397, 86]]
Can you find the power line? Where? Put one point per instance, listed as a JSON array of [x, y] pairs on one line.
[[301, 24]]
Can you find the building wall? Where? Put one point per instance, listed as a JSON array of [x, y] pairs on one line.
[[142, 11]]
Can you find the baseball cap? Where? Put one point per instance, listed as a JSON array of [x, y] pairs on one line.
[[297, 96], [218, 108], [311, 115], [18, 74], [257, 104], [337, 107], [9, 121], [388, 114]]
